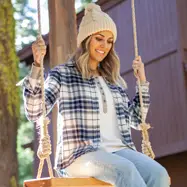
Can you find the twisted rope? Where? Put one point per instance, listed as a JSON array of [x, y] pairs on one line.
[[44, 149], [146, 145]]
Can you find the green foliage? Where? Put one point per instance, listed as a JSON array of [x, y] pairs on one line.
[[25, 136], [23, 70], [25, 23], [25, 156]]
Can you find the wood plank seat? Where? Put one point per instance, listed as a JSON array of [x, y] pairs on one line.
[[65, 182]]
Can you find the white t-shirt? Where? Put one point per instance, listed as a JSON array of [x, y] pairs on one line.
[[109, 131]]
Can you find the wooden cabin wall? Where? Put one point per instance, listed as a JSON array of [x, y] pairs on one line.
[[182, 27], [182, 17]]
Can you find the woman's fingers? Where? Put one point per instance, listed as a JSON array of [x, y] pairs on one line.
[[138, 67], [137, 63], [138, 58], [39, 49]]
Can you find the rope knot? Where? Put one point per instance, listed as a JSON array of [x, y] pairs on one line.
[[44, 149], [145, 126]]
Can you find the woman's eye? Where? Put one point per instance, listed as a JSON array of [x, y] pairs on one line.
[[110, 42], [98, 39]]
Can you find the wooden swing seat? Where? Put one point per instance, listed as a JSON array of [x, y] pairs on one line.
[[65, 182]]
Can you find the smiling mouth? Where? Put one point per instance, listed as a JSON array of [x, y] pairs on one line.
[[100, 52]]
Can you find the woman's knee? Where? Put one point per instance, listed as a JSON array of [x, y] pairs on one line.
[[159, 176], [127, 168], [128, 175], [163, 175]]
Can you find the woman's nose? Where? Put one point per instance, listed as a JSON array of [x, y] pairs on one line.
[[104, 44]]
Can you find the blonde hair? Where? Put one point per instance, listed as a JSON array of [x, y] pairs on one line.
[[108, 68]]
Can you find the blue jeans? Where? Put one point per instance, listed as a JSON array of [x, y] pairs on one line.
[[124, 168]]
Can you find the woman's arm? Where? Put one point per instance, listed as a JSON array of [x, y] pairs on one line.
[[134, 105], [32, 93]]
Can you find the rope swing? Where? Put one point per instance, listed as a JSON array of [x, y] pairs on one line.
[[146, 145], [44, 149]]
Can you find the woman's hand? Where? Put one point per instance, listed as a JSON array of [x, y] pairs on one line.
[[138, 66], [39, 51]]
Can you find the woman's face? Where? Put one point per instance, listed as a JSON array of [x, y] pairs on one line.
[[100, 45]]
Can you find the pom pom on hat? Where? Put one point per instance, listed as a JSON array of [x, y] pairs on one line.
[[90, 7], [95, 20]]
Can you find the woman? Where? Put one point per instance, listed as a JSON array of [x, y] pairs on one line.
[[95, 139]]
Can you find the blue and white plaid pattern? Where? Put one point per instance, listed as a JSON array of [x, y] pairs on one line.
[[79, 108]]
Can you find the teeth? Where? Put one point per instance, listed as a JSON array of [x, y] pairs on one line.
[[102, 52]]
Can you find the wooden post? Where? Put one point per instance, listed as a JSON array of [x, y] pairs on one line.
[[62, 40]]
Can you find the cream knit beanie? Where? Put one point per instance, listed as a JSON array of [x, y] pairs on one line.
[[95, 20]]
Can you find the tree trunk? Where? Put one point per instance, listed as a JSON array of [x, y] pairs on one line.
[[9, 97], [62, 39]]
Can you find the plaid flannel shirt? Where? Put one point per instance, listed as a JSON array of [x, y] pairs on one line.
[[79, 110]]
